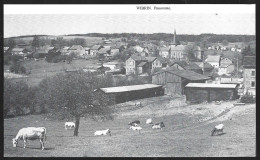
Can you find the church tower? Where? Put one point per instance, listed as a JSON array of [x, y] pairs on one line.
[[173, 44]]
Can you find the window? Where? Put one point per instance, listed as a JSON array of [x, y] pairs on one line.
[[252, 73], [253, 84]]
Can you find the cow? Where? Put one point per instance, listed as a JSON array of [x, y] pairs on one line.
[[70, 125], [149, 121], [158, 125], [103, 132], [217, 129], [138, 128], [134, 123], [30, 133]]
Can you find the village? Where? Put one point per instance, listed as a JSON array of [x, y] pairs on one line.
[[170, 69]]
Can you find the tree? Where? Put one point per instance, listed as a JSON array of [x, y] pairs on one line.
[[11, 42], [191, 51], [72, 95], [15, 97], [35, 42], [224, 42]]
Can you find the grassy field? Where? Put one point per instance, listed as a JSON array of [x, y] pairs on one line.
[[184, 135], [42, 69]]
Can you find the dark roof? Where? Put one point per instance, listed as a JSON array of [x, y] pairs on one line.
[[138, 58], [192, 66], [206, 65], [249, 61], [162, 60], [150, 59], [141, 64], [187, 74], [104, 50], [180, 63], [96, 47]]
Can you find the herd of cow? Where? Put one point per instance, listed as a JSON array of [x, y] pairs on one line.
[[39, 133]]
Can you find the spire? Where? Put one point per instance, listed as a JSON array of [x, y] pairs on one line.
[[174, 38]]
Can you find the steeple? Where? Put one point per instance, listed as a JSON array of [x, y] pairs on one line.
[[174, 37]]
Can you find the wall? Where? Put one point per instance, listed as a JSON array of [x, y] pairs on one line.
[[130, 66], [248, 78]]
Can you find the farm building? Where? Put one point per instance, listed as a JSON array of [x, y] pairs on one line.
[[200, 92], [174, 81], [127, 93]]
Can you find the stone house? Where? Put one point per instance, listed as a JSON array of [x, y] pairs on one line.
[[249, 75]]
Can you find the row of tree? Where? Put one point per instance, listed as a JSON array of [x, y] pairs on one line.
[[63, 96]]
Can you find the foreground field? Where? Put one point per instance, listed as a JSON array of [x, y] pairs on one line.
[[186, 133]]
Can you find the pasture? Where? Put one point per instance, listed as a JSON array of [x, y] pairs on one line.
[[184, 135], [42, 69]]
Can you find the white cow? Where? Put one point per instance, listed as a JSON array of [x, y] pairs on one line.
[[69, 124], [149, 121], [102, 132], [30, 133], [136, 128], [217, 128], [158, 125]]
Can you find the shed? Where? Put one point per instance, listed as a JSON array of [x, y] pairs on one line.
[[174, 81], [200, 92], [127, 93]]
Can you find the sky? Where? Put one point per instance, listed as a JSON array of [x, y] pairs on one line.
[[48, 20]]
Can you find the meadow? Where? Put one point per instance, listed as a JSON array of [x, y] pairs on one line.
[[183, 136]]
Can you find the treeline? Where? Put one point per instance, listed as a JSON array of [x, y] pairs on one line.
[[212, 38], [22, 99]]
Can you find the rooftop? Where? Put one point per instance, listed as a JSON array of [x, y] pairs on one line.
[[17, 49], [128, 88], [213, 58], [141, 64], [96, 47], [210, 85], [75, 47]]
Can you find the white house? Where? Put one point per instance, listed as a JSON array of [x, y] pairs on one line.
[[214, 60]]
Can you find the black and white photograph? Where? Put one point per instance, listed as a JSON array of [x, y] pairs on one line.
[[136, 80]]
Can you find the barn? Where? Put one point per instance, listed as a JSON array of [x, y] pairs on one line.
[[174, 81], [200, 92], [127, 93]]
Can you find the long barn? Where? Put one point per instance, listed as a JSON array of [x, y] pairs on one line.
[[174, 81], [127, 93], [200, 92]]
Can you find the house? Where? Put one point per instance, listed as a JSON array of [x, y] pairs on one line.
[[18, 51], [144, 54], [112, 65], [104, 52], [232, 80], [6, 49], [183, 65], [206, 68], [133, 62], [94, 49], [115, 51], [178, 52], [225, 61], [214, 60], [226, 69], [174, 81], [44, 51], [107, 41], [159, 62], [249, 75], [78, 50], [138, 48], [164, 52], [115, 95], [201, 92], [64, 50], [87, 51]]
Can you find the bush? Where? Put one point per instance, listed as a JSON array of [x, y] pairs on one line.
[[17, 68], [247, 99]]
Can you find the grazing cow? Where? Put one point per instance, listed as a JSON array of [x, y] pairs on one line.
[[134, 123], [138, 128], [30, 133], [149, 121], [70, 125], [158, 125], [102, 132], [217, 129], [138, 104]]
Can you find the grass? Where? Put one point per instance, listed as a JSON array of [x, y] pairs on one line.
[[183, 136], [42, 69]]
